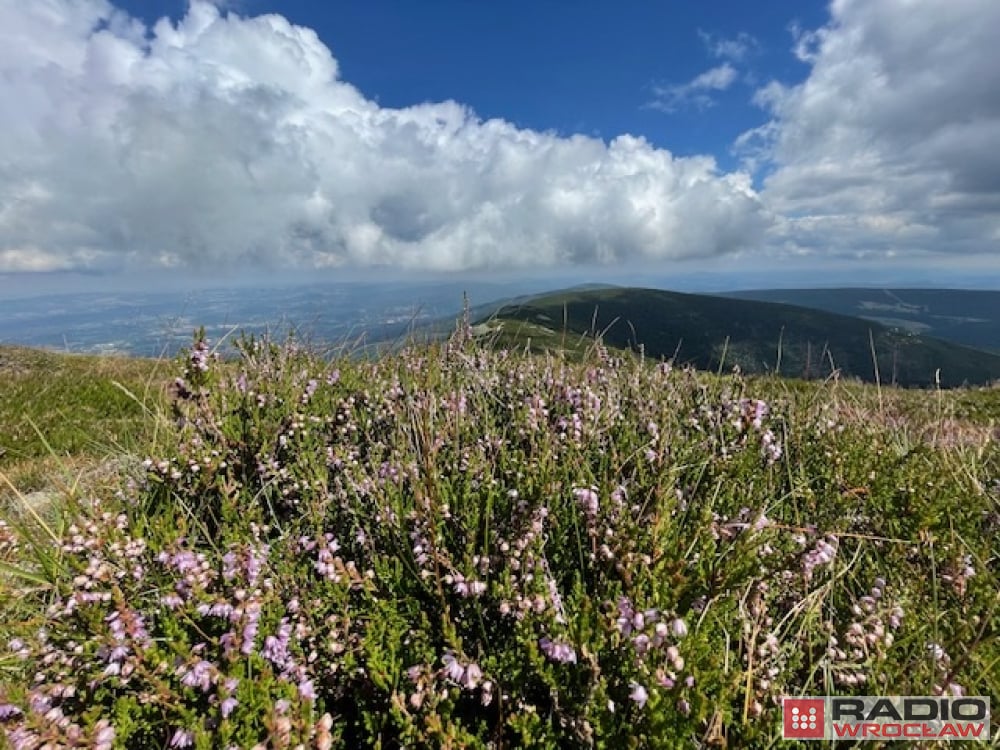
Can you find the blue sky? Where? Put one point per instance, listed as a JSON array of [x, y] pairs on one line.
[[850, 140], [574, 67]]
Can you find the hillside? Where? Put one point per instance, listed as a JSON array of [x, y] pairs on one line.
[[455, 546], [962, 316], [65, 414], [715, 333]]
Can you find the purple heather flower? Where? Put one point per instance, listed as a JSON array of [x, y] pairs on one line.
[[171, 601], [229, 563], [250, 628], [557, 651], [679, 627], [227, 706], [182, 738], [8, 711], [587, 497], [638, 694], [477, 588], [307, 691], [473, 675], [770, 447], [105, 737], [896, 618], [199, 675], [254, 563], [452, 668], [276, 646], [822, 554], [200, 356], [627, 616], [311, 387], [619, 495]]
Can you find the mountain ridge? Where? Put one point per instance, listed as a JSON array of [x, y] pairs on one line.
[[713, 332]]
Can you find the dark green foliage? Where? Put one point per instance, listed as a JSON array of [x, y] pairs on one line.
[[714, 333]]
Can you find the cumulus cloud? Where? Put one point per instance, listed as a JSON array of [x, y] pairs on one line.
[[221, 140], [698, 92], [888, 148]]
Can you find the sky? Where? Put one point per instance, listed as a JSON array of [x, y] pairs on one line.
[[144, 138]]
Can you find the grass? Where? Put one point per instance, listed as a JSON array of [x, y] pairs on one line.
[[460, 546], [64, 414]]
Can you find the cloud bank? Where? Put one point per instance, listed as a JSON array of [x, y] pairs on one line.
[[221, 141], [889, 147]]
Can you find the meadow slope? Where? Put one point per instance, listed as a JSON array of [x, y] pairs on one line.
[[460, 546]]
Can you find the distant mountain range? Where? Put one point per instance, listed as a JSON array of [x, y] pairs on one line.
[[962, 316], [715, 332]]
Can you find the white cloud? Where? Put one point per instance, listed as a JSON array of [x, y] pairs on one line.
[[889, 147], [737, 48], [223, 141], [695, 93]]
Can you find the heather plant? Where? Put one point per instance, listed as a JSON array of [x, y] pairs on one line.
[[455, 546]]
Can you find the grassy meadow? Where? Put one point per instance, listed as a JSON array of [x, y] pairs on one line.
[[65, 414], [463, 546]]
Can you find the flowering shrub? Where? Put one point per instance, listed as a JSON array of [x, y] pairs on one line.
[[457, 547]]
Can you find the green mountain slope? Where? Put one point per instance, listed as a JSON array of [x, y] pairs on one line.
[[712, 332], [962, 316]]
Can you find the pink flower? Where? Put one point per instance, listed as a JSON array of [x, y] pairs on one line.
[[473, 675], [587, 497], [8, 711], [558, 652], [228, 706], [306, 690], [453, 670], [638, 694], [105, 737]]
